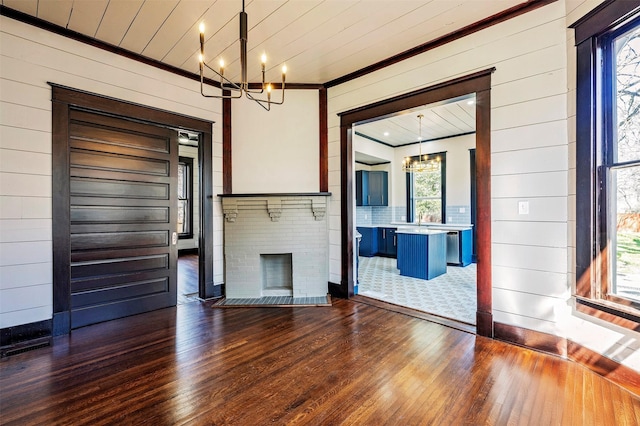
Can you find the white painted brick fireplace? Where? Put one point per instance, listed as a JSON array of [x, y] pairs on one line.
[[276, 245]]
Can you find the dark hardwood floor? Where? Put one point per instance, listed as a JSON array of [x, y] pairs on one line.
[[187, 278], [348, 364]]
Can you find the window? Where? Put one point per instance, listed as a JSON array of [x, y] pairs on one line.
[[621, 168], [426, 192], [185, 198], [608, 161]]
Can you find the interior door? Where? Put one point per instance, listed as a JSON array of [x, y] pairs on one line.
[[122, 214]]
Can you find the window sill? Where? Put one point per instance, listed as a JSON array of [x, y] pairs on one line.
[[614, 313]]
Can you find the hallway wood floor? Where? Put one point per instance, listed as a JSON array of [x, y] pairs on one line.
[[187, 278], [348, 364]]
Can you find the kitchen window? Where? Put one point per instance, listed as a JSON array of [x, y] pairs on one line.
[[426, 198], [608, 162], [185, 198]]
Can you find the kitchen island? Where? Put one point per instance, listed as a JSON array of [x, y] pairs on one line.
[[422, 253]]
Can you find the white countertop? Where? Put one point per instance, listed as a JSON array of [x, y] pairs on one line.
[[443, 226], [420, 230]]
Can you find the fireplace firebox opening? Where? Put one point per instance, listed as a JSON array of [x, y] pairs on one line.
[[277, 274]]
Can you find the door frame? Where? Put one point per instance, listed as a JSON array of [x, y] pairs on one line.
[[63, 98], [474, 210], [478, 83]]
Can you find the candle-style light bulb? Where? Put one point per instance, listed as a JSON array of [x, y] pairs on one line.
[[284, 72], [269, 92], [221, 66], [202, 39], [201, 58], [263, 58]]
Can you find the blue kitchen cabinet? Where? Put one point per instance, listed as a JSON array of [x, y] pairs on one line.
[[372, 188], [466, 247], [369, 241], [387, 242]]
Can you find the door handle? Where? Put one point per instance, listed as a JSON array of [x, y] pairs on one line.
[[174, 238]]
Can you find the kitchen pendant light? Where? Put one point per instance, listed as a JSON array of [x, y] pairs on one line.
[[422, 163]]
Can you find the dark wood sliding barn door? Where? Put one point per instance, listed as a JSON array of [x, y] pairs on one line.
[[122, 216]]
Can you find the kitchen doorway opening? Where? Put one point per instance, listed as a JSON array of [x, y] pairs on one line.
[[431, 242], [414, 242]]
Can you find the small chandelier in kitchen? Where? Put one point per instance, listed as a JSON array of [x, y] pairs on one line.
[[238, 89], [422, 163]]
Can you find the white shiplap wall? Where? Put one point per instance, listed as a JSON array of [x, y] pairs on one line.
[[276, 150], [533, 158], [30, 58], [528, 91]]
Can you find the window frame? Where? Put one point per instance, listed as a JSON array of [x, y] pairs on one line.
[[443, 187], [188, 162], [595, 113]]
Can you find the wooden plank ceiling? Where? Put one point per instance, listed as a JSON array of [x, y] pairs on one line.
[[441, 120], [319, 40]]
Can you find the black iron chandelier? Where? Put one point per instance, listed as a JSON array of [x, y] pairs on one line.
[[243, 87]]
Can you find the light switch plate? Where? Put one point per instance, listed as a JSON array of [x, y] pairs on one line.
[[523, 207]]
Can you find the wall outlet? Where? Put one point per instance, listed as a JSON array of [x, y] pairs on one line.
[[462, 210], [366, 216], [403, 218], [523, 207]]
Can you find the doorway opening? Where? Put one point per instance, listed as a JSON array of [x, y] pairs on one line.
[[427, 210], [188, 222], [478, 83]]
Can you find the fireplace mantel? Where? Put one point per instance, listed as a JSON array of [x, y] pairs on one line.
[[274, 203], [277, 194]]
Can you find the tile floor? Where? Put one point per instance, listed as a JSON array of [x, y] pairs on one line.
[[452, 295], [277, 301]]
